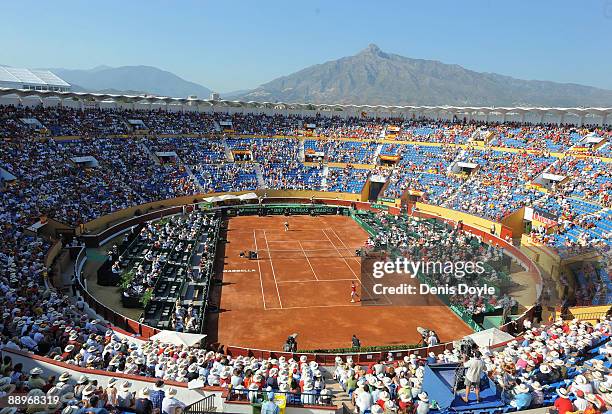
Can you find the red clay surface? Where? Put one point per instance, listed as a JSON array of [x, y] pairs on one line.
[[301, 284]]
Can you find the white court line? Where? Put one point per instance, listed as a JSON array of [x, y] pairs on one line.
[[296, 250], [308, 260], [358, 261], [263, 296], [270, 230], [285, 241], [322, 306], [318, 280], [344, 258], [349, 266], [273, 273]]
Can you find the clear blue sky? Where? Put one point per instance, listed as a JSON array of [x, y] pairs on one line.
[[230, 45]]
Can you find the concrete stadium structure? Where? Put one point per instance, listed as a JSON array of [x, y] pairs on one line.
[[576, 116]]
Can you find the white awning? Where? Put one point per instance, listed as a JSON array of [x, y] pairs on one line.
[[467, 164], [83, 160], [248, 196], [553, 177], [178, 338], [490, 337], [169, 154], [315, 154], [36, 226], [225, 197], [377, 178], [592, 139]]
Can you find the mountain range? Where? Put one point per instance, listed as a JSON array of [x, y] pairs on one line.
[[370, 77], [132, 80], [378, 78]]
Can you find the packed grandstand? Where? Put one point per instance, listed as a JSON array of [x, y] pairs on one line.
[[72, 166]]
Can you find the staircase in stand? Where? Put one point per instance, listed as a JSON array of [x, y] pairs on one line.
[[204, 406], [379, 148], [261, 183], [455, 160], [302, 152], [193, 177], [324, 176], [449, 201], [228, 152], [149, 153]]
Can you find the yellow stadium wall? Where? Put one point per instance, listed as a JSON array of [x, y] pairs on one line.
[[548, 261], [590, 313], [312, 193], [365, 190], [102, 223], [479, 222], [344, 164], [515, 222], [52, 253]]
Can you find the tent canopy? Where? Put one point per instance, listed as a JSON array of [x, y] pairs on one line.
[[490, 337], [178, 338], [248, 196], [225, 197]]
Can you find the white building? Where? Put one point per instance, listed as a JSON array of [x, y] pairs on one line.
[[31, 79]]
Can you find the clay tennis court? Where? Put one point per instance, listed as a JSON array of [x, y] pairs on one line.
[[301, 283]]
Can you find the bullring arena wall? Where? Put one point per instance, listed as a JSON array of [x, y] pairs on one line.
[[102, 228], [105, 222]]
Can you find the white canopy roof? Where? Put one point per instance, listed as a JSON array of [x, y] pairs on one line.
[[553, 177], [593, 139], [490, 337], [30, 76], [242, 197], [83, 159], [166, 154], [467, 164], [248, 196], [178, 338], [224, 104]]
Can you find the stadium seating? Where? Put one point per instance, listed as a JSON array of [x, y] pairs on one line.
[[293, 176], [190, 150], [498, 186], [346, 180], [555, 139], [96, 171], [226, 177], [351, 152]]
